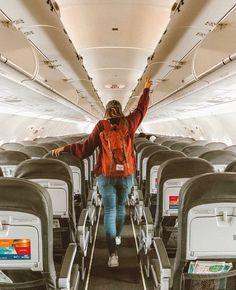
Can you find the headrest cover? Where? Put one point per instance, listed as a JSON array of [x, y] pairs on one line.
[[183, 167], [34, 151], [44, 168], [66, 157], [219, 156], [9, 157], [159, 157]]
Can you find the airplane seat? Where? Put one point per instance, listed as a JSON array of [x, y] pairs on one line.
[[216, 145], [79, 187], [139, 140], [28, 142], [56, 177], [231, 167], [151, 186], [200, 142], [60, 143], [49, 146], [168, 143], [12, 146], [9, 159], [139, 150], [196, 152], [179, 145], [162, 139], [137, 196], [231, 148], [191, 148], [206, 253], [172, 174], [219, 158], [34, 151], [26, 247]]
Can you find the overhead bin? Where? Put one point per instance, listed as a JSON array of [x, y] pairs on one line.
[[49, 47], [191, 23]]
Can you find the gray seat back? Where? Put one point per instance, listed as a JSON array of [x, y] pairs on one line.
[[172, 174], [34, 151], [154, 162], [219, 158], [12, 146], [26, 232], [216, 145], [206, 222], [9, 160]]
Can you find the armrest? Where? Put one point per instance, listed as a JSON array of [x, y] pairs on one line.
[[160, 267], [162, 256], [83, 231], [140, 195], [147, 216], [66, 268], [82, 220], [90, 196], [147, 230]]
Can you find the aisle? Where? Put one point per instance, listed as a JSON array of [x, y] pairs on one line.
[[127, 275]]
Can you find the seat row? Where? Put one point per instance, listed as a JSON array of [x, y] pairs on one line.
[[174, 223], [56, 192]]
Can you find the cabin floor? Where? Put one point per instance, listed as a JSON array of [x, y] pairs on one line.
[[127, 276]]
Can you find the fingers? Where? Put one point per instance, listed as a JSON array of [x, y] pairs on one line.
[[148, 82], [57, 152]]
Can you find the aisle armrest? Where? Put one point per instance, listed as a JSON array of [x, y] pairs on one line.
[[66, 268], [83, 231], [147, 230], [160, 267]]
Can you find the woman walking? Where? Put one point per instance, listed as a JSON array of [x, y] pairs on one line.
[[115, 166]]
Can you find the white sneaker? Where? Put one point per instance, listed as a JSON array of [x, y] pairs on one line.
[[113, 261], [118, 240]]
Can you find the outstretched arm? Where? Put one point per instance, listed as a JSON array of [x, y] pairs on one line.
[[136, 117], [84, 150]]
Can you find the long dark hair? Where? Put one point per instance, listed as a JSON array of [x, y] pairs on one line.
[[115, 112]]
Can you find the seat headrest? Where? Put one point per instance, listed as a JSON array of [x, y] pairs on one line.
[[183, 167], [216, 145], [34, 151], [190, 148], [66, 157], [208, 188], [12, 146], [25, 196], [231, 167], [45, 169], [159, 157], [219, 156], [10, 157]]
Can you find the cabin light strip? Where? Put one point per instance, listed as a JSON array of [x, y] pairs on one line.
[[140, 263]]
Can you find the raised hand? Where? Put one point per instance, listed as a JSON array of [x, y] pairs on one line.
[[147, 83]]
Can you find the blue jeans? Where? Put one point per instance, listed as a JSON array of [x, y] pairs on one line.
[[114, 191]]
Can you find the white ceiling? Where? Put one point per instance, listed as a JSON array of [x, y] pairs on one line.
[[115, 58]]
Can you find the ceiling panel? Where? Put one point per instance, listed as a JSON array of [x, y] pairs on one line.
[[115, 38]]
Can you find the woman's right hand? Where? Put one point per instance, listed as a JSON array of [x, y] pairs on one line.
[[56, 152], [147, 83]]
